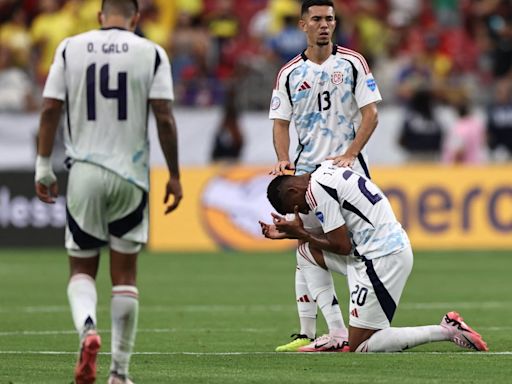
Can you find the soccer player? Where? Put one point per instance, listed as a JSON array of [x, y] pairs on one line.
[[358, 221], [330, 95], [105, 81]]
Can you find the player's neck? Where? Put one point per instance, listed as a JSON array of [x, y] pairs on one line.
[[318, 54], [116, 21]]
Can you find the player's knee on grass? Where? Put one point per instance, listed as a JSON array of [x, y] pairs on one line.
[[357, 338]]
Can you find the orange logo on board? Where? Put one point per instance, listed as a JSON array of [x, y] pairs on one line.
[[232, 203]]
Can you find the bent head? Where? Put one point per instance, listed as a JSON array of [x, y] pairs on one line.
[[318, 21], [285, 192], [117, 12]]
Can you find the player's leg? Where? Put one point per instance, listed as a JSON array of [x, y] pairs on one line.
[[124, 308], [85, 233], [128, 229], [376, 287], [321, 286], [307, 310]]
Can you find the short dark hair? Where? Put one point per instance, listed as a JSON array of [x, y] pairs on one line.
[[310, 3], [275, 192], [125, 7]]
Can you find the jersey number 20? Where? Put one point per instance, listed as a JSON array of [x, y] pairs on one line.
[[120, 93]]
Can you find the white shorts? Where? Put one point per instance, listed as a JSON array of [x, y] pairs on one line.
[[103, 208], [375, 288]]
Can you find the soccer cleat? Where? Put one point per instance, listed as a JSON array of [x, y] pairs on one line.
[[462, 334], [294, 345], [115, 378], [327, 343], [85, 371]]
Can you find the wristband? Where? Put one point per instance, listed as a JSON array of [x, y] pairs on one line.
[[44, 171]]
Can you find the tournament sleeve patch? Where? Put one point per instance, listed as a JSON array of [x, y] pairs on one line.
[[320, 216], [371, 84], [276, 102]]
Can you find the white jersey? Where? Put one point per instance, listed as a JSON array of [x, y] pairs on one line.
[[106, 77], [324, 102], [340, 196]]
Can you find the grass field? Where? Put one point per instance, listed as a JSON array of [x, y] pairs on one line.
[[217, 317]]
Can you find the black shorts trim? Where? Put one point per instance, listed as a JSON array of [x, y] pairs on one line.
[[386, 301], [120, 227], [84, 240]]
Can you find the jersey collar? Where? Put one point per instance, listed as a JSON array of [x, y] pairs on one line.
[[109, 28], [334, 51]]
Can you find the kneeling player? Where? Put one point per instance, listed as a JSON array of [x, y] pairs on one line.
[[358, 221]]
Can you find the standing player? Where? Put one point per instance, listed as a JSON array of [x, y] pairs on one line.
[[330, 94], [358, 221], [106, 79]]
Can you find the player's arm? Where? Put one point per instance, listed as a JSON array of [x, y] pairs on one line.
[[336, 240], [45, 179], [168, 137], [281, 136], [368, 124]]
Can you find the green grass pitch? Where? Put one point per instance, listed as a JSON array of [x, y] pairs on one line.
[[217, 317]]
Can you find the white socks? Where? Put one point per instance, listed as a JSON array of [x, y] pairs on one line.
[[82, 298], [320, 284], [124, 312], [306, 306], [398, 339]]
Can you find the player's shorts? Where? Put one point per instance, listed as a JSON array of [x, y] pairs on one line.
[[375, 286], [104, 209]]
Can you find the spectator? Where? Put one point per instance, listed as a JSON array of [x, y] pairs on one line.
[[465, 141], [15, 85], [15, 34], [228, 139], [421, 134], [48, 29], [289, 40], [499, 121]]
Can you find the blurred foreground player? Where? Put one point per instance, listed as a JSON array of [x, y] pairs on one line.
[[358, 221], [105, 80]]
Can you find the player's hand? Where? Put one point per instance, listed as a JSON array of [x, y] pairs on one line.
[[293, 228], [270, 231], [343, 160], [282, 167], [173, 188], [47, 193]]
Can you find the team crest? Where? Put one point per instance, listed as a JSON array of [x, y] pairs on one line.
[[337, 78], [276, 102]]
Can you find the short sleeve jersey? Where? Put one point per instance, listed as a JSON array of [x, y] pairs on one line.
[[324, 102], [340, 196], [106, 78]]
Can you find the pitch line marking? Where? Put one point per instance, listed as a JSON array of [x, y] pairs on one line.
[[256, 353], [176, 330], [143, 330], [261, 307]]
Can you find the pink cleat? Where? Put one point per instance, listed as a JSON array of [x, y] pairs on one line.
[[85, 371], [327, 343], [462, 334]]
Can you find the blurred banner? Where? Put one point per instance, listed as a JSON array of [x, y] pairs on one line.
[[220, 209], [440, 207], [24, 220]]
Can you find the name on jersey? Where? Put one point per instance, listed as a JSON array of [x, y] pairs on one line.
[[110, 48]]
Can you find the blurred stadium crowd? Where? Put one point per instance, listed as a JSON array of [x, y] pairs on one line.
[[422, 52]]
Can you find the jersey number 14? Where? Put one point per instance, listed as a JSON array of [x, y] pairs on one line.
[[120, 94]]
